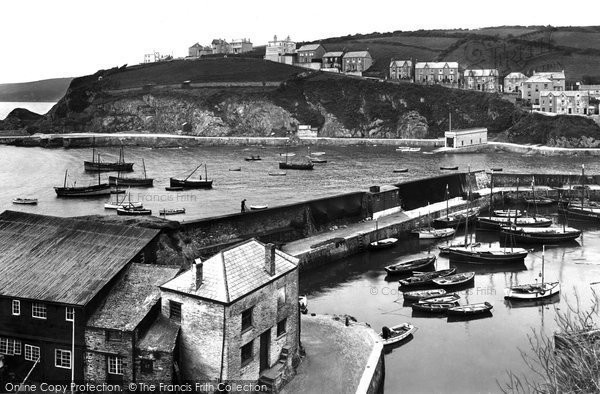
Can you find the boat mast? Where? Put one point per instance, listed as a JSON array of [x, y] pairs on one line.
[[65, 184], [468, 207], [205, 172], [447, 211], [491, 192], [543, 263], [192, 173], [582, 184], [144, 165], [533, 194]]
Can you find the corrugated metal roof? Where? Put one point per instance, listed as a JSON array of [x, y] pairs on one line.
[[132, 297], [333, 54], [436, 64], [63, 260], [357, 54], [233, 273], [309, 47]]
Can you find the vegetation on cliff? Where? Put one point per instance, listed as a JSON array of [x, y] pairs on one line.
[[560, 131]]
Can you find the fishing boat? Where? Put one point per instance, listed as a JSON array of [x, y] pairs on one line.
[[252, 158], [539, 201], [101, 189], [277, 173], [25, 201], [454, 280], [581, 211], [132, 211], [188, 183], [258, 207], [303, 303], [432, 233], [407, 267], [508, 213], [131, 181], [444, 249], [449, 297], [97, 165], [419, 294], [174, 188], [483, 254], [396, 333], [171, 211], [125, 201], [533, 291], [424, 278], [433, 307], [400, 170], [542, 235], [286, 154], [497, 222], [471, 309], [297, 165], [382, 243], [448, 168], [455, 219], [496, 169], [317, 160], [236, 169]]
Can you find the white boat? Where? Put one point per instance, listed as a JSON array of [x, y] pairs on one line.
[[508, 213], [383, 243], [258, 207], [171, 211], [432, 233], [25, 201], [277, 173], [533, 291], [287, 154], [124, 202], [407, 149], [396, 333]]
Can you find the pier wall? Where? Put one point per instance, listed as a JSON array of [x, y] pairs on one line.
[[552, 180]]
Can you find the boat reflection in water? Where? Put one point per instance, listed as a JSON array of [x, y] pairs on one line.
[[533, 303]]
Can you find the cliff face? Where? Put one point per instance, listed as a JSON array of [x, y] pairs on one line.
[[339, 107]]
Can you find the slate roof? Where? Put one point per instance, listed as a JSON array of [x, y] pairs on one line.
[[436, 64], [309, 47], [233, 273], [400, 63], [486, 72], [516, 75], [566, 93], [551, 74], [357, 54], [132, 297], [63, 260], [161, 336], [333, 54], [538, 78]]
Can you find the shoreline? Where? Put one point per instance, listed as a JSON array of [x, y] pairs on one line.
[[85, 140]]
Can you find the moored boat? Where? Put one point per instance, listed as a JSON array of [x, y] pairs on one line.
[[432, 233], [483, 254], [277, 173], [449, 297], [132, 211], [456, 279], [25, 201], [383, 243], [496, 222], [400, 170], [424, 278], [171, 211], [533, 291], [396, 333], [448, 168], [508, 213], [444, 249], [540, 235], [471, 309], [433, 307], [131, 181], [188, 183], [101, 189], [419, 294], [406, 267], [456, 219], [174, 188], [97, 165], [252, 158], [258, 207]]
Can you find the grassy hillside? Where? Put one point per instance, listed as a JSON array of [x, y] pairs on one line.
[[45, 90], [564, 131]]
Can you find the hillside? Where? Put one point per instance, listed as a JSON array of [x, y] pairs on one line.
[[44, 90]]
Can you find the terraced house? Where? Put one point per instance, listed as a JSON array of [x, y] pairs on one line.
[[443, 73], [552, 81], [513, 82], [569, 102], [483, 80], [356, 62], [401, 69]]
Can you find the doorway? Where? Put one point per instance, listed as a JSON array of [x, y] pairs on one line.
[[265, 343]]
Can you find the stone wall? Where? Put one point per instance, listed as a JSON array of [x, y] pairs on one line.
[[97, 348]]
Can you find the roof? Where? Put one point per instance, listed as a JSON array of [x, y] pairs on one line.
[[468, 131], [233, 273], [63, 260], [196, 45], [161, 336], [589, 87], [357, 54], [219, 41], [309, 47], [333, 54], [568, 93], [485, 72], [551, 74], [132, 297], [436, 64], [537, 79], [516, 75], [401, 63]]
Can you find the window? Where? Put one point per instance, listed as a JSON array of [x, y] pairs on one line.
[[10, 346], [16, 307], [62, 358], [32, 353], [114, 336], [38, 310], [246, 353], [69, 313], [281, 327], [280, 297], [174, 310], [4, 346], [115, 365], [147, 366], [247, 319]]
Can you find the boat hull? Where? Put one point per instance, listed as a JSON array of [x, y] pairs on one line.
[[417, 295], [140, 182], [521, 293], [471, 309], [133, 212], [495, 223], [540, 237], [383, 243], [105, 167], [455, 220], [589, 214], [477, 256], [191, 184], [296, 166], [435, 234], [87, 191], [410, 266], [402, 331]]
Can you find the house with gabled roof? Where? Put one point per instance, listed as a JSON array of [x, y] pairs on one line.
[[444, 73], [513, 82], [401, 69], [483, 80], [356, 62], [238, 313], [539, 81], [332, 61], [310, 53]]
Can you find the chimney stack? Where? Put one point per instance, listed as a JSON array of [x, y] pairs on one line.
[[270, 259], [197, 268]]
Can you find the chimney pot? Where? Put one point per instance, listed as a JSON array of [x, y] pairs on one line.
[[270, 259], [197, 273]]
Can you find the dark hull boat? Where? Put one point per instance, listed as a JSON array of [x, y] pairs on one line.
[[449, 168], [420, 294], [98, 166], [188, 183], [480, 254], [133, 211], [581, 213], [495, 223], [296, 166], [424, 278], [456, 219], [407, 267], [102, 189], [126, 181], [546, 235], [451, 297], [454, 280], [434, 307]]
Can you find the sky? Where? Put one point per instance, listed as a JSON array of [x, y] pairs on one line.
[[42, 39]]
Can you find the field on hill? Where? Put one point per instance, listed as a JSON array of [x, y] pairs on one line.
[[45, 90]]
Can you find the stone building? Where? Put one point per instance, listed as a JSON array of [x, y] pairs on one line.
[[553, 81], [513, 82], [443, 73], [593, 90], [310, 53], [220, 46], [238, 313], [483, 80], [126, 338], [332, 61], [464, 138], [277, 50], [198, 50], [356, 62], [242, 45], [568, 102], [401, 70]]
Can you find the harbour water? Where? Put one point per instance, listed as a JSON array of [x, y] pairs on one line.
[[38, 107], [444, 356]]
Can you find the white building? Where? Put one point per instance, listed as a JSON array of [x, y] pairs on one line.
[[464, 138], [277, 50]]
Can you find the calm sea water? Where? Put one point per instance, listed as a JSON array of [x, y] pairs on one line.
[[443, 357], [37, 107]]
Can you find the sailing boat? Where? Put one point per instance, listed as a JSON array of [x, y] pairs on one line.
[[97, 165], [382, 243], [101, 189], [455, 219], [432, 233], [298, 165], [533, 291], [581, 211], [540, 235], [496, 222], [479, 254], [119, 203], [132, 181], [188, 183]]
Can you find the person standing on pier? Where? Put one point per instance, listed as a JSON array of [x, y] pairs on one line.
[[244, 205]]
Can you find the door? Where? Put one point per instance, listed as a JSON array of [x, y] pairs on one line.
[[265, 343]]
